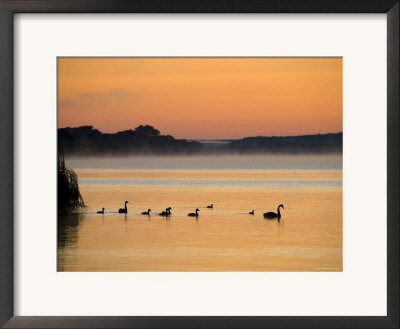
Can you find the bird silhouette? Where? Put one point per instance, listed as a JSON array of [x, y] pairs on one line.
[[272, 215], [146, 212], [194, 214], [166, 213], [123, 210]]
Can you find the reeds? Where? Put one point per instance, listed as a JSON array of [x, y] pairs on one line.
[[69, 197]]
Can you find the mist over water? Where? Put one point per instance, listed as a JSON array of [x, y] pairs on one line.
[[221, 162]]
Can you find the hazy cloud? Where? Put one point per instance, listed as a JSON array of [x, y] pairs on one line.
[[113, 96], [66, 103]]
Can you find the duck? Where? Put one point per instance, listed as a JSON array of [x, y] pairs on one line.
[[251, 212], [272, 215], [194, 214], [211, 206], [146, 212], [101, 211], [123, 210]]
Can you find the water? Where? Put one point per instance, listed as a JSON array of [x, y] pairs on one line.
[[226, 238]]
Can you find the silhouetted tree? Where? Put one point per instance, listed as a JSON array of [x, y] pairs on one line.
[[147, 131], [69, 197]]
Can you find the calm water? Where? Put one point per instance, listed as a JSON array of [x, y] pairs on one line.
[[307, 238]]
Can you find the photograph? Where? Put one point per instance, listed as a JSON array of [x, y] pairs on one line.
[[199, 164]]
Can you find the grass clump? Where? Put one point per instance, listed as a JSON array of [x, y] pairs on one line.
[[69, 198]]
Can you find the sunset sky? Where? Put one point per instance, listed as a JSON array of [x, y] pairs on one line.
[[202, 98]]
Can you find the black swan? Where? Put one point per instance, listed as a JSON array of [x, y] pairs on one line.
[[271, 215], [251, 212], [166, 213], [123, 210], [211, 206], [101, 211], [146, 212], [196, 214]]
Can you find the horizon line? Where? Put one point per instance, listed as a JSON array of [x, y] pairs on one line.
[[203, 139]]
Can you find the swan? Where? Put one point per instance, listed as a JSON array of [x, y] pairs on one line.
[[166, 213], [251, 212], [123, 210], [146, 212], [211, 206], [271, 215], [196, 214], [101, 211]]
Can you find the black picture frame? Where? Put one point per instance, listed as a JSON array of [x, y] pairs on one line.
[[10, 7]]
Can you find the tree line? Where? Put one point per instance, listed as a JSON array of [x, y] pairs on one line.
[[313, 144], [145, 139]]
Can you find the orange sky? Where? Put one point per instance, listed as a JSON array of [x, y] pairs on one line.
[[202, 98]]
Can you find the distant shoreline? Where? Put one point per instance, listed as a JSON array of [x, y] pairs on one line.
[[146, 140]]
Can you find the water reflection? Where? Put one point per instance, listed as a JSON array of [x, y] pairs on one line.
[[67, 237], [68, 228]]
